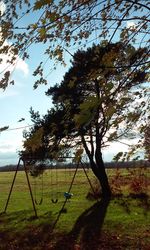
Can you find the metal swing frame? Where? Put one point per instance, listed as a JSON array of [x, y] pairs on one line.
[[29, 186], [30, 189], [72, 181], [70, 187]]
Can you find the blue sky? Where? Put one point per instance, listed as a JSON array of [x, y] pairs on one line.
[[16, 101]]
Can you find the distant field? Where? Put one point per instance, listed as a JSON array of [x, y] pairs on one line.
[[125, 221]]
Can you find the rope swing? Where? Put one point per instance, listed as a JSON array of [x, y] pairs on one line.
[[35, 191], [54, 198], [37, 172]]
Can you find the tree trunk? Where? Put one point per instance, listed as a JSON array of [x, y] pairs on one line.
[[98, 169], [103, 179]]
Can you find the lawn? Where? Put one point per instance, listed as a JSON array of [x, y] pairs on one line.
[[122, 223]]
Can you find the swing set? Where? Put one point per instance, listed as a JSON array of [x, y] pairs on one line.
[[67, 195]]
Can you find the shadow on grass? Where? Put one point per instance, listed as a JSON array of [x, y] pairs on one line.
[[16, 221], [30, 238], [23, 232], [85, 234], [86, 230]]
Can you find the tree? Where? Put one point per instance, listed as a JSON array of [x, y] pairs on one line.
[[147, 141], [64, 25], [61, 25], [93, 105]]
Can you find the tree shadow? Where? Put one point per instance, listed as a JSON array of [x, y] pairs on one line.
[[85, 233], [31, 238], [87, 229], [29, 235]]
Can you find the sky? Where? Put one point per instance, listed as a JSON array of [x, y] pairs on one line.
[[16, 100], [15, 103]]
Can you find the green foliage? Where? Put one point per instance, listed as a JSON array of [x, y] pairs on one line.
[[118, 156], [78, 155], [37, 170], [35, 141], [87, 111], [91, 103], [41, 4]]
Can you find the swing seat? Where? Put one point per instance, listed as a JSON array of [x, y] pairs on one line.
[[68, 195], [54, 200], [38, 203]]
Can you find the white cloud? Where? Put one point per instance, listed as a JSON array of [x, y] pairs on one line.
[[11, 145], [8, 93], [8, 158], [19, 65], [5, 148], [131, 25], [2, 7], [11, 141], [22, 66], [114, 148]]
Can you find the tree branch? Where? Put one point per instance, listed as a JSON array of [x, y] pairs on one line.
[[140, 4], [122, 20], [86, 148]]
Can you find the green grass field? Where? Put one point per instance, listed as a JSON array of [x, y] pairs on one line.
[[124, 223]]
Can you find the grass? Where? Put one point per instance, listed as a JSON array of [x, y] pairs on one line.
[[84, 224]]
